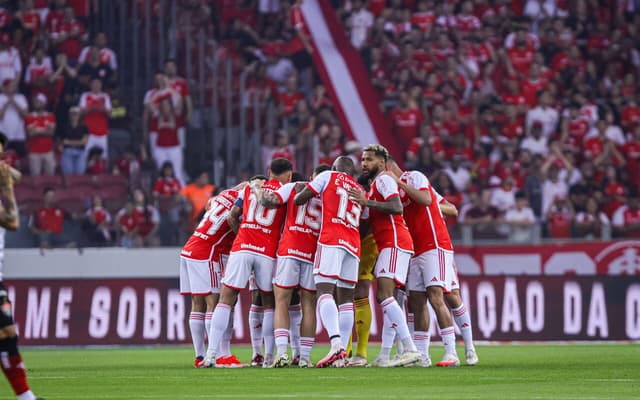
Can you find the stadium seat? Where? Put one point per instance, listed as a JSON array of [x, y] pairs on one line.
[[80, 180]]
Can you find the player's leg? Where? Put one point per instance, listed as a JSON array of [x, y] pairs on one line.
[[418, 304], [235, 279], [196, 280], [281, 325], [435, 293], [295, 319], [391, 269], [463, 320], [12, 365], [263, 270], [256, 316], [327, 266], [363, 317], [345, 311], [308, 323], [197, 326]]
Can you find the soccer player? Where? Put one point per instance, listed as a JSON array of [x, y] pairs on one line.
[[363, 316], [254, 250], [335, 267], [432, 272], [294, 267], [395, 247], [201, 259], [11, 364]]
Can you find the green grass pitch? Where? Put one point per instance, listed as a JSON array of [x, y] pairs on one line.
[[505, 372]]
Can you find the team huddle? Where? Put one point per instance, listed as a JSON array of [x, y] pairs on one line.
[[314, 246]]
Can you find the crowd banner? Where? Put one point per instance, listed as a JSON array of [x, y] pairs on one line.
[[131, 297]]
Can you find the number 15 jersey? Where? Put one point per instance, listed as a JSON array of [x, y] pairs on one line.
[[340, 215], [261, 227]]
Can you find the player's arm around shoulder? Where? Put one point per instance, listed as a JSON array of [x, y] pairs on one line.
[[416, 187], [9, 218], [391, 204]]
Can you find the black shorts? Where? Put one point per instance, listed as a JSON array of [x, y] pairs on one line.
[[6, 317]]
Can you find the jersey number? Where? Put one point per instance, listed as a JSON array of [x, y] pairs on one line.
[[309, 213], [351, 216], [216, 215], [258, 213]]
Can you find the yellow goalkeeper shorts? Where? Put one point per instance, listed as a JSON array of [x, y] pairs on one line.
[[368, 257]]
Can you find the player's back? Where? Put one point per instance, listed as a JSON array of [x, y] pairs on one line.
[[261, 227], [389, 230], [426, 223], [340, 214], [213, 229], [302, 226]]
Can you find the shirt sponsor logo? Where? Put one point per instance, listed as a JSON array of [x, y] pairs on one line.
[[252, 247], [299, 253]]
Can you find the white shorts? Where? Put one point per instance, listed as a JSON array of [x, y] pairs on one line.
[[335, 265], [240, 266], [292, 273], [392, 263], [433, 268], [199, 277]]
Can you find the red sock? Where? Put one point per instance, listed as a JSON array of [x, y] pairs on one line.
[[13, 369]]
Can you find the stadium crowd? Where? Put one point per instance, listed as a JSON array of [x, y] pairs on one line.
[[523, 113]]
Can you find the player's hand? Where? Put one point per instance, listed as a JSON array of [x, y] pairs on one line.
[[299, 186], [358, 196]]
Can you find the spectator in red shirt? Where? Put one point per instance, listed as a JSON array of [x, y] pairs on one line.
[[68, 35], [167, 147], [405, 121], [97, 224], [290, 97], [40, 125], [166, 195], [38, 72], [481, 216], [588, 223], [96, 164], [147, 220], [626, 220], [559, 218], [95, 105], [127, 227], [47, 223]]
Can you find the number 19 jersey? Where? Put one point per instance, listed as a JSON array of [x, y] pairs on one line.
[[340, 215], [213, 232], [261, 227]]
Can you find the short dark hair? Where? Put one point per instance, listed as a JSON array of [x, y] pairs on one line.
[[344, 164], [261, 177], [280, 165], [321, 168], [521, 194], [378, 150], [297, 177]]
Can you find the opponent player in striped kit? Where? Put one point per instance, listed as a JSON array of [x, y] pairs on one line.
[[335, 266], [294, 267], [432, 271], [201, 261], [254, 250], [11, 364], [394, 245]]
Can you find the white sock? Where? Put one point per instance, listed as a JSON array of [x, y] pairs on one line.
[[463, 320], [207, 322], [224, 349], [387, 337], [196, 326], [219, 323], [393, 311], [346, 319], [282, 340], [448, 336], [306, 344], [330, 318], [28, 395], [256, 315], [295, 318], [267, 332], [422, 339]]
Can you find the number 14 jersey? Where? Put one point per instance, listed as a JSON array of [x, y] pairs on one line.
[[261, 227]]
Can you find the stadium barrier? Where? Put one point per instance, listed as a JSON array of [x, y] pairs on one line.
[[122, 297]]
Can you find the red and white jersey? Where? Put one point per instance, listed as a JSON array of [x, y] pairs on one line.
[[100, 215], [35, 71], [106, 56], [340, 215], [212, 236], [261, 227], [389, 230], [39, 144], [153, 98], [302, 226], [426, 223], [180, 86], [97, 121]]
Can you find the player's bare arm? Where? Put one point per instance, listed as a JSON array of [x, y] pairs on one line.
[[304, 196], [448, 209], [269, 200], [391, 206], [419, 196], [234, 218], [9, 218]]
